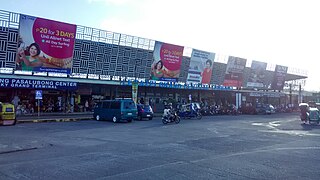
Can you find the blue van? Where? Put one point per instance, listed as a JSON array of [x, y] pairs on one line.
[[116, 110]]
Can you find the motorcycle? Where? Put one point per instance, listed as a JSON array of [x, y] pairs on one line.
[[234, 110], [170, 116]]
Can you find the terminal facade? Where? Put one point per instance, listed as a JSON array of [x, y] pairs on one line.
[[104, 64]]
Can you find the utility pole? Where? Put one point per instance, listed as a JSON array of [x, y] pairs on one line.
[[290, 91], [300, 94]]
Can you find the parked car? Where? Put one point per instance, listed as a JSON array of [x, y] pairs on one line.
[[115, 110], [144, 111], [260, 109], [265, 109], [269, 109]]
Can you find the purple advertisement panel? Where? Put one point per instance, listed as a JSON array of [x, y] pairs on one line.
[[279, 77], [234, 72], [167, 60], [257, 74], [45, 45]]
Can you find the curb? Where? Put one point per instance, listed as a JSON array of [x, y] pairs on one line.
[[54, 120]]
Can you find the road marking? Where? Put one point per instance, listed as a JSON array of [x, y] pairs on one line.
[[273, 129], [291, 132]]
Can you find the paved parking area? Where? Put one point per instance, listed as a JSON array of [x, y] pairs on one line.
[[220, 147]]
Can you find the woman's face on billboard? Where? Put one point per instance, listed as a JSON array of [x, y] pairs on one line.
[[159, 65], [33, 51], [208, 65]]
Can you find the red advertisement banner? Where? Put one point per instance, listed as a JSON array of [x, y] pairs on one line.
[[45, 45], [167, 61]]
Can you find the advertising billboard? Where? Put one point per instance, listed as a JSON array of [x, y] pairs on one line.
[[45, 45], [200, 69], [279, 77], [234, 72], [257, 74], [167, 60], [135, 91]]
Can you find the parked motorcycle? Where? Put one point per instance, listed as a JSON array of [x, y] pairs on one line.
[[205, 111]]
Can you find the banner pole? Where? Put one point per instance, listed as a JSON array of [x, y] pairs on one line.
[[38, 108]]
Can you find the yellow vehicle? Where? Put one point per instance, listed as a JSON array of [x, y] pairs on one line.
[[7, 114]]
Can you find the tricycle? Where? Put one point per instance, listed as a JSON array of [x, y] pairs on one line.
[[7, 114], [190, 110], [309, 114], [313, 115]]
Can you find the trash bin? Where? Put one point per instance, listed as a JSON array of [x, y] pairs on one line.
[[7, 114]]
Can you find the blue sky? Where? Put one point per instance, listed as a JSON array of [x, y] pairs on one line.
[[80, 12], [281, 32]]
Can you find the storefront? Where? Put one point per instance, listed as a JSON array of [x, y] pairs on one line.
[[21, 92]]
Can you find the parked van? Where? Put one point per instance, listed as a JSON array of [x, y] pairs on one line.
[[7, 114], [116, 110]]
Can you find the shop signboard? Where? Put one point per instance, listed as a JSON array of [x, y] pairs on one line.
[[279, 77], [45, 45], [37, 84], [234, 72], [176, 85], [167, 59], [200, 69], [257, 74]]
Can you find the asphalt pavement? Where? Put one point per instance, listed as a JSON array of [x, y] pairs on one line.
[[274, 146]]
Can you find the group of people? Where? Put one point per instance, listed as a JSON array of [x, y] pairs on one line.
[[24, 108]]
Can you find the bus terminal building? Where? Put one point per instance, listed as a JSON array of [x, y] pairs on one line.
[[78, 65]]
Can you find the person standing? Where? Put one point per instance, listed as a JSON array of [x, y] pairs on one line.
[[86, 105], [15, 101]]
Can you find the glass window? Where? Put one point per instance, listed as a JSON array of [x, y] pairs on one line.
[[9, 109], [115, 105], [106, 104], [129, 105], [147, 107], [98, 105]]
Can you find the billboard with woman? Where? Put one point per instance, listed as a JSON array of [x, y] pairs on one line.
[[200, 69], [167, 60], [45, 45]]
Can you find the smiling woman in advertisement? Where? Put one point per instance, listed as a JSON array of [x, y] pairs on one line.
[[28, 62], [157, 71]]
